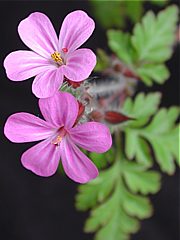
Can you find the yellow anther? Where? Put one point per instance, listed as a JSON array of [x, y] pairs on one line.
[[56, 56], [57, 141]]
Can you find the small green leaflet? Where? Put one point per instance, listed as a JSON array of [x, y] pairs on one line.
[[115, 202], [158, 72], [143, 107], [97, 190], [159, 132], [138, 179], [120, 43], [150, 45]]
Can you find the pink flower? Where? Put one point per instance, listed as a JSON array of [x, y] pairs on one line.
[[60, 138], [52, 59]]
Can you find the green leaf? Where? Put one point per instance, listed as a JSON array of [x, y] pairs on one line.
[[116, 205], [163, 134], [103, 213], [154, 37], [120, 44], [139, 180], [163, 121], [137, 206], [142, 108], [153, 72], [113, 230], [119, 11], [97, 190], [136, 147], [111, 216], [151, 44], [159, 133]]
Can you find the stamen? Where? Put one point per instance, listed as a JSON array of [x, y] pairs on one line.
[[57, 140], [56, 56]]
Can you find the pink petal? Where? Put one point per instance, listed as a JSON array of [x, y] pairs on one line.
[[37, 32], [93, 136], [21, 65], [77, 166], [60, 110], [25, 127], [42, 159], [77, 27], [79, 64], [47, 83]]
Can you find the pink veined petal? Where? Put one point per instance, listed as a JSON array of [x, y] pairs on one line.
[[25, 127], [47, 83], [79, 64], [21, 65], [60, 110], [76, 28], [42, 159], [37, 32], [92, 136], [76, 165]]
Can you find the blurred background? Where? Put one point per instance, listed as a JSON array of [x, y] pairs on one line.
[[33, 207]]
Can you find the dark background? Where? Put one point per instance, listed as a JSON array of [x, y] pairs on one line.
[[35, 208]]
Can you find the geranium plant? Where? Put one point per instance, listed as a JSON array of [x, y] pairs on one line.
[[83, 114]]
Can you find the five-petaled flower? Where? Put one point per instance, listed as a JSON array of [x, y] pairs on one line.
[[60, 135], [52, 59]]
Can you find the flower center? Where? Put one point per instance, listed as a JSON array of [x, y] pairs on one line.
[[57, 140], [56, 56], [61, 133]]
